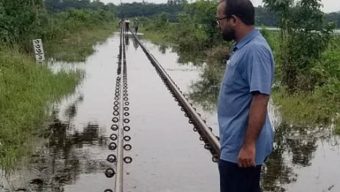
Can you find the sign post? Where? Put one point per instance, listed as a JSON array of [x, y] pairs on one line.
[[39, 50]]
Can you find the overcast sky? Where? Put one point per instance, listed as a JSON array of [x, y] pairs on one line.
[[328, 5]]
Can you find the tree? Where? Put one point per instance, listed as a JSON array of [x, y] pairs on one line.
[[19, 20], [202, 13], [304, 36]]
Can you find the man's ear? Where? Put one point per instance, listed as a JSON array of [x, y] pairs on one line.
[[234, 18]]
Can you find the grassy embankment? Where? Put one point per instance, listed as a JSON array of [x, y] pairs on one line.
[[28, 88], [307, 109], [162, 37], [320, 107], [71, 34], [77, 46]]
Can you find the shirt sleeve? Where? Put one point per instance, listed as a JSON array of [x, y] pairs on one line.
[[259, 70]]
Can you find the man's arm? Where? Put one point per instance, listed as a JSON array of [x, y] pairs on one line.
[[257, 116]]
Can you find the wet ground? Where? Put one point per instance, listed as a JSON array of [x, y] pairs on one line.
[[167, 155]]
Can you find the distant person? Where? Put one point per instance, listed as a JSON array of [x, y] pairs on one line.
[[127, 25], [136, 29], [120, 23], [246, 135], [136, 25]]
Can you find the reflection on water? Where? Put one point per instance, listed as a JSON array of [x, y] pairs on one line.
[[63, 157], [135, 43], [127, 40], [62, 141], [197, 58], [205, 91], [61, 160], [66, 162], [296, 150], [276, 172]]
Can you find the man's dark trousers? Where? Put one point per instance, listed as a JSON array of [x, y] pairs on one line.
[[236, 179]]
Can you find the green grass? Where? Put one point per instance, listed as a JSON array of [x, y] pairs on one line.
[[309, 109], [159, 38], [323, 104], [26, 89], [75, 47]]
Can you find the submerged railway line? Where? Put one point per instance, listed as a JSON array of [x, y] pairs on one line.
[[119, 139], [123, 129]]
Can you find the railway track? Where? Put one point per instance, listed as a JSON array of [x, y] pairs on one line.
[[119, 143], [119, 139], [205, 132]]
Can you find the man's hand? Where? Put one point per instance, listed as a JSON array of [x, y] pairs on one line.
[[246, 156]]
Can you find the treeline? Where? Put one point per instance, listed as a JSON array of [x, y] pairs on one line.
[[268, 17], [58, 6], [194, 29], [174, 11], [334, 17], [264, 16], [23, 20], [149, 9]]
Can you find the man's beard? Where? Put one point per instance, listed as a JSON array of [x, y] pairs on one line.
[[228, 35]]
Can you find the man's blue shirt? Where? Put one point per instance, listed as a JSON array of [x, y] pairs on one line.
[[249, 69]]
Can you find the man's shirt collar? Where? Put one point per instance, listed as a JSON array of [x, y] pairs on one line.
[[251, 35]]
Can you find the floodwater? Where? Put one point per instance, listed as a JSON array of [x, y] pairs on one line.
[[167, 154]]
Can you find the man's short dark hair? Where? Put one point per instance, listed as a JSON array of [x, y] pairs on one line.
[[243, 9]]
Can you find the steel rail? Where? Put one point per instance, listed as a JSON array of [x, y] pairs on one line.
[[212, 142], [120, 121], [120, 152]]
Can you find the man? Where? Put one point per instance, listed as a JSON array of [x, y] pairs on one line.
[[246, 135], [136, 25]]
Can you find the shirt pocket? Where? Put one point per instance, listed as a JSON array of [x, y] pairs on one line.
[[229, 75]]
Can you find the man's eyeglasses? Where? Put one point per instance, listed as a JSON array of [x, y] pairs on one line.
[[219, 19]]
